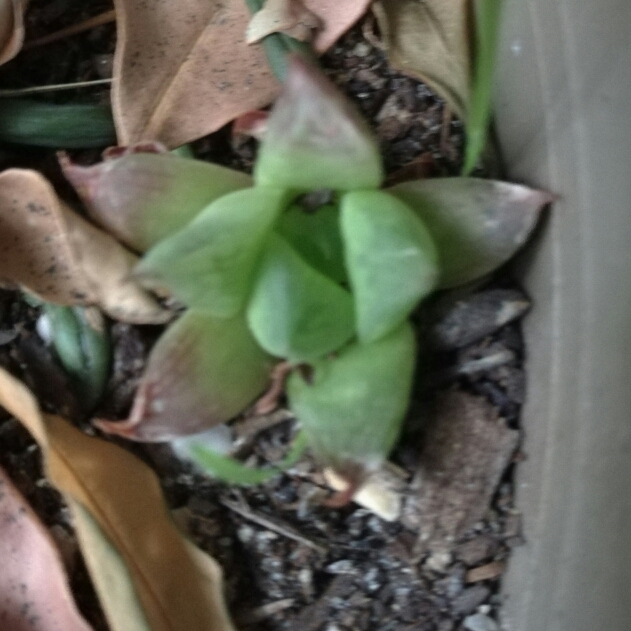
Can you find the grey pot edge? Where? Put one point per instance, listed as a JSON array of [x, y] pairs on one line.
[[562, 107]]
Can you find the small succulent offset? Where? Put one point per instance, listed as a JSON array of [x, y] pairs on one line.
[[310, 263]]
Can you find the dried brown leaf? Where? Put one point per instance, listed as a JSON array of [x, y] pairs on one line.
[[183, 69], [11, 28], [468, 449], [283, 16], [34, 590], [336, 17], [429, 39], [54, 253], [116, 500]]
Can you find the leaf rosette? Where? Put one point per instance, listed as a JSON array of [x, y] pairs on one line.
[[310, 263]]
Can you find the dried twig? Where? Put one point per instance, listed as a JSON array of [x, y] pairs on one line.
[[39, 89], [94, 21], [242, 508]]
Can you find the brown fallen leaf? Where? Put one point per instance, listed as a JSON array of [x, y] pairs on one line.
[[11, 28], [283, 16], [52, 252], [183, 69], [429, 39], [34, 590], [336, 17], [467, 448], [124, 529]]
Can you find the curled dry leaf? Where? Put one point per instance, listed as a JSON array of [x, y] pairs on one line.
[[477, 225], [316, 138], [54, 253], [429, 40], [183, 69], [11, 28], [283, 16], [123, 526], [34, 591]]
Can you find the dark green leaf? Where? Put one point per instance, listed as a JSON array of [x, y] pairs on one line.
[[316, 237], [487, 21]]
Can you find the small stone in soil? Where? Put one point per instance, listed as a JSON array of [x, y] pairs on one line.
[[471, 598], [469, 319], [480, 622]]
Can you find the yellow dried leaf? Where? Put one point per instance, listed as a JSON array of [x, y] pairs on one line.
[[116, 500], [52, 252], [283, 16], [429, 39], [11, 28]]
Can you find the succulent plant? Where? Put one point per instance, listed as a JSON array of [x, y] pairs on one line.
[[269, 275]]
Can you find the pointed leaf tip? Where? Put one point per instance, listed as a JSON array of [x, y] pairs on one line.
[[143, 197], [210, 263], [477, 225], [352, 406], [202, 372], [316, 138], [391, 259]]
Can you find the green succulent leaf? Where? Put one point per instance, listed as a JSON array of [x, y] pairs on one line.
[[487, 22], [83, 347], [202, 372], [210, 263], [141, 198], [316, 237], [315, 138], [295, 311], [477, 225], [231, 470], [351, 406], [390, 257]]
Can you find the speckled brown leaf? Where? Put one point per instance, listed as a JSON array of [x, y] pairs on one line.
[[183, 69], [336, 17], [283, 16], [468, 446], [11, 28], [429, 39], [34, 592], [116, 501], [51, 251]]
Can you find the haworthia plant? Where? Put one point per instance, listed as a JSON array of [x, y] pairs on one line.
[[327, 287]]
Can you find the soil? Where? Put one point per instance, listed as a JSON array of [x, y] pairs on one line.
[[289, 561]]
